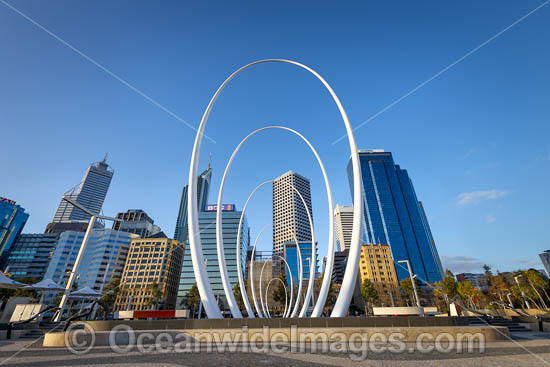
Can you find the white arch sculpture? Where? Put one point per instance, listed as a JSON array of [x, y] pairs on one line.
[[242, 286], [260, 315], [238, 248], [219, 233], [262, 298], [203, 284], [267, 293]]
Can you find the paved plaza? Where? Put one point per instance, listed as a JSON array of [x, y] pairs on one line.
[[529, 349]]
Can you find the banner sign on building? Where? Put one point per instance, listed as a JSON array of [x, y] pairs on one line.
[[214, 207], [4, 200]]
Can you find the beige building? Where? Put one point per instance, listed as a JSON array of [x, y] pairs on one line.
[[150, 260], [377, 265], [289, 214], [343, 225]]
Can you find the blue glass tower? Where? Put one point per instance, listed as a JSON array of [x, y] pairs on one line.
[[393, 216], [291, 256], [12, 221]]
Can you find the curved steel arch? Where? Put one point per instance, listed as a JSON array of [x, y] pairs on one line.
[[291, 286], [219, 233], [260, 315], [261, 298], [195, 244], [242, 286], [267, 293]]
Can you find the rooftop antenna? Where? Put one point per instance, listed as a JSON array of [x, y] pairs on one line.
[[210, 161], [105, 158]]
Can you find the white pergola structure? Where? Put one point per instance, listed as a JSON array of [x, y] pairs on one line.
[[203, 284]]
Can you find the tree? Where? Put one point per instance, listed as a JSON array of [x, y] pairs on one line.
[[331, 297], [537, 281], [110, 293], [408, 290], [193, 298], [466, 290], [279, 295], [369, 293], [238, 296], [450, 286], [155, 294]]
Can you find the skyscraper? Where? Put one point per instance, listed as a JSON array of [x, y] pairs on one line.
[[343, 226], [155, 260], [30, 255], [12, 220], [545, 258], [392, 215], [207, 230], [138, 222], [90, 193], [289, 214], [203, 187], [105, 253]]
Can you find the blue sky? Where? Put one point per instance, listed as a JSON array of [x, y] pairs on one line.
[[474, 139]]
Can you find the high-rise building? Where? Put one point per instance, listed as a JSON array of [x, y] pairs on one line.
[[152, 262], [393, 215], [289, 214], [478, 281], [340, 263], [30, 255], [102, 260], [343, 226], [290, 253], [203, 187], [138, 222], [207, 230], [90, 193], [545, 258], [12, 220], [376, 264]]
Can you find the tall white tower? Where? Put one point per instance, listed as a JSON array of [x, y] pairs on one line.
[[90, 193], [289, 214], [343, 225]]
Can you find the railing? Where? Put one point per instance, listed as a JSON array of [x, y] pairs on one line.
[[12, 324]]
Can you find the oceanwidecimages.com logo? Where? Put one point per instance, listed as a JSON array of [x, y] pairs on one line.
[[356, 344]]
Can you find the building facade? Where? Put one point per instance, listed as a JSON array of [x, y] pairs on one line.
[[376, 264], [153, 265], [290, 253], [207, 229], [343, 226], [392, 215], [102, 260], [90, 193], [136, 221], [545, 258], [203, 187], [12, 220], [30, 255], [289, 214], [478, 281], [339, 269]]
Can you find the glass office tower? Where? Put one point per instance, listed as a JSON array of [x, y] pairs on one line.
[[30, 255], [290, 253], [207, 228], [12, 220], [203, 187], [393, 216], [90, 193]]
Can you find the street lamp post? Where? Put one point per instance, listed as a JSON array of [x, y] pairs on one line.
[[412, 276], [93, 218]]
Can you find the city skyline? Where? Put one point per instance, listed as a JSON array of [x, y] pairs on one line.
[[456, 136]]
